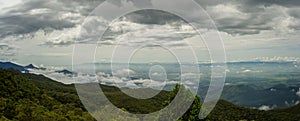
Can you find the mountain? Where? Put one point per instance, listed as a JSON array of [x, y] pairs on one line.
[[277, 96], [259, 62], [25, 96], [66, 72], [227, 111], [291, 110], [6, 65], [31, 66]]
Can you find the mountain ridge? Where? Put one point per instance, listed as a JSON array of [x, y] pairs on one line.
[[38, 87]]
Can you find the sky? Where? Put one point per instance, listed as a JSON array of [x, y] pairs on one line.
[[45, 32]]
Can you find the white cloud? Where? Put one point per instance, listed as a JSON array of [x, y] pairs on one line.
[[262, 30], [127, 33], [110, 80], [60, 77], [298, 93], [264, 107], [223, 11], [51, 72], [123, 72], [4, 4]]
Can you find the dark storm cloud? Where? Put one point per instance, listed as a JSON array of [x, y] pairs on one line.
[[294, 12], [152, 17], [287, 3], [14, 25], [251, 25], [255, 15], [83, 7], [21, 18], [249, 3], [205, 3]]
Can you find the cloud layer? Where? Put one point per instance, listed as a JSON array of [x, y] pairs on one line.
[[259, 26]]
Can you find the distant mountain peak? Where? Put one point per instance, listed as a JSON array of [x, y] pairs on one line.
[[31, 66], [7, 65], [66, 72]]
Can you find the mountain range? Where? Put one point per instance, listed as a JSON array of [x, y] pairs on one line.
[[263, 92], [26, 69], [7, 65], [26, 96]]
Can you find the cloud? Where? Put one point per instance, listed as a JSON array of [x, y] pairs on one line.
[[148, 83], [236, 22], [287, 3], [264, 107], [60, 77], [250, 3], [129, 30], [298, 93], [236, 18], [123, 73], [294, 12], [7, 51], [244, 25], [34, 15], [122, 80], [64, 17], [4, 46], [126, 32], [161, 26], [52, 73], [63, 37], [250, 16], [25, 24], [152, 17]]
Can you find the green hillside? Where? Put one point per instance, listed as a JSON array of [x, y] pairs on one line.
[[30, 97], [27, 97]]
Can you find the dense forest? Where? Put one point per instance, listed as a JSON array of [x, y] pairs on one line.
[[30, 97]]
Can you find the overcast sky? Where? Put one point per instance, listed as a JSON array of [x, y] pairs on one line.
[[44, 31]]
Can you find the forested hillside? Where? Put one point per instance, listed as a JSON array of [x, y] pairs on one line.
[[27, 97], [30, 97]]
